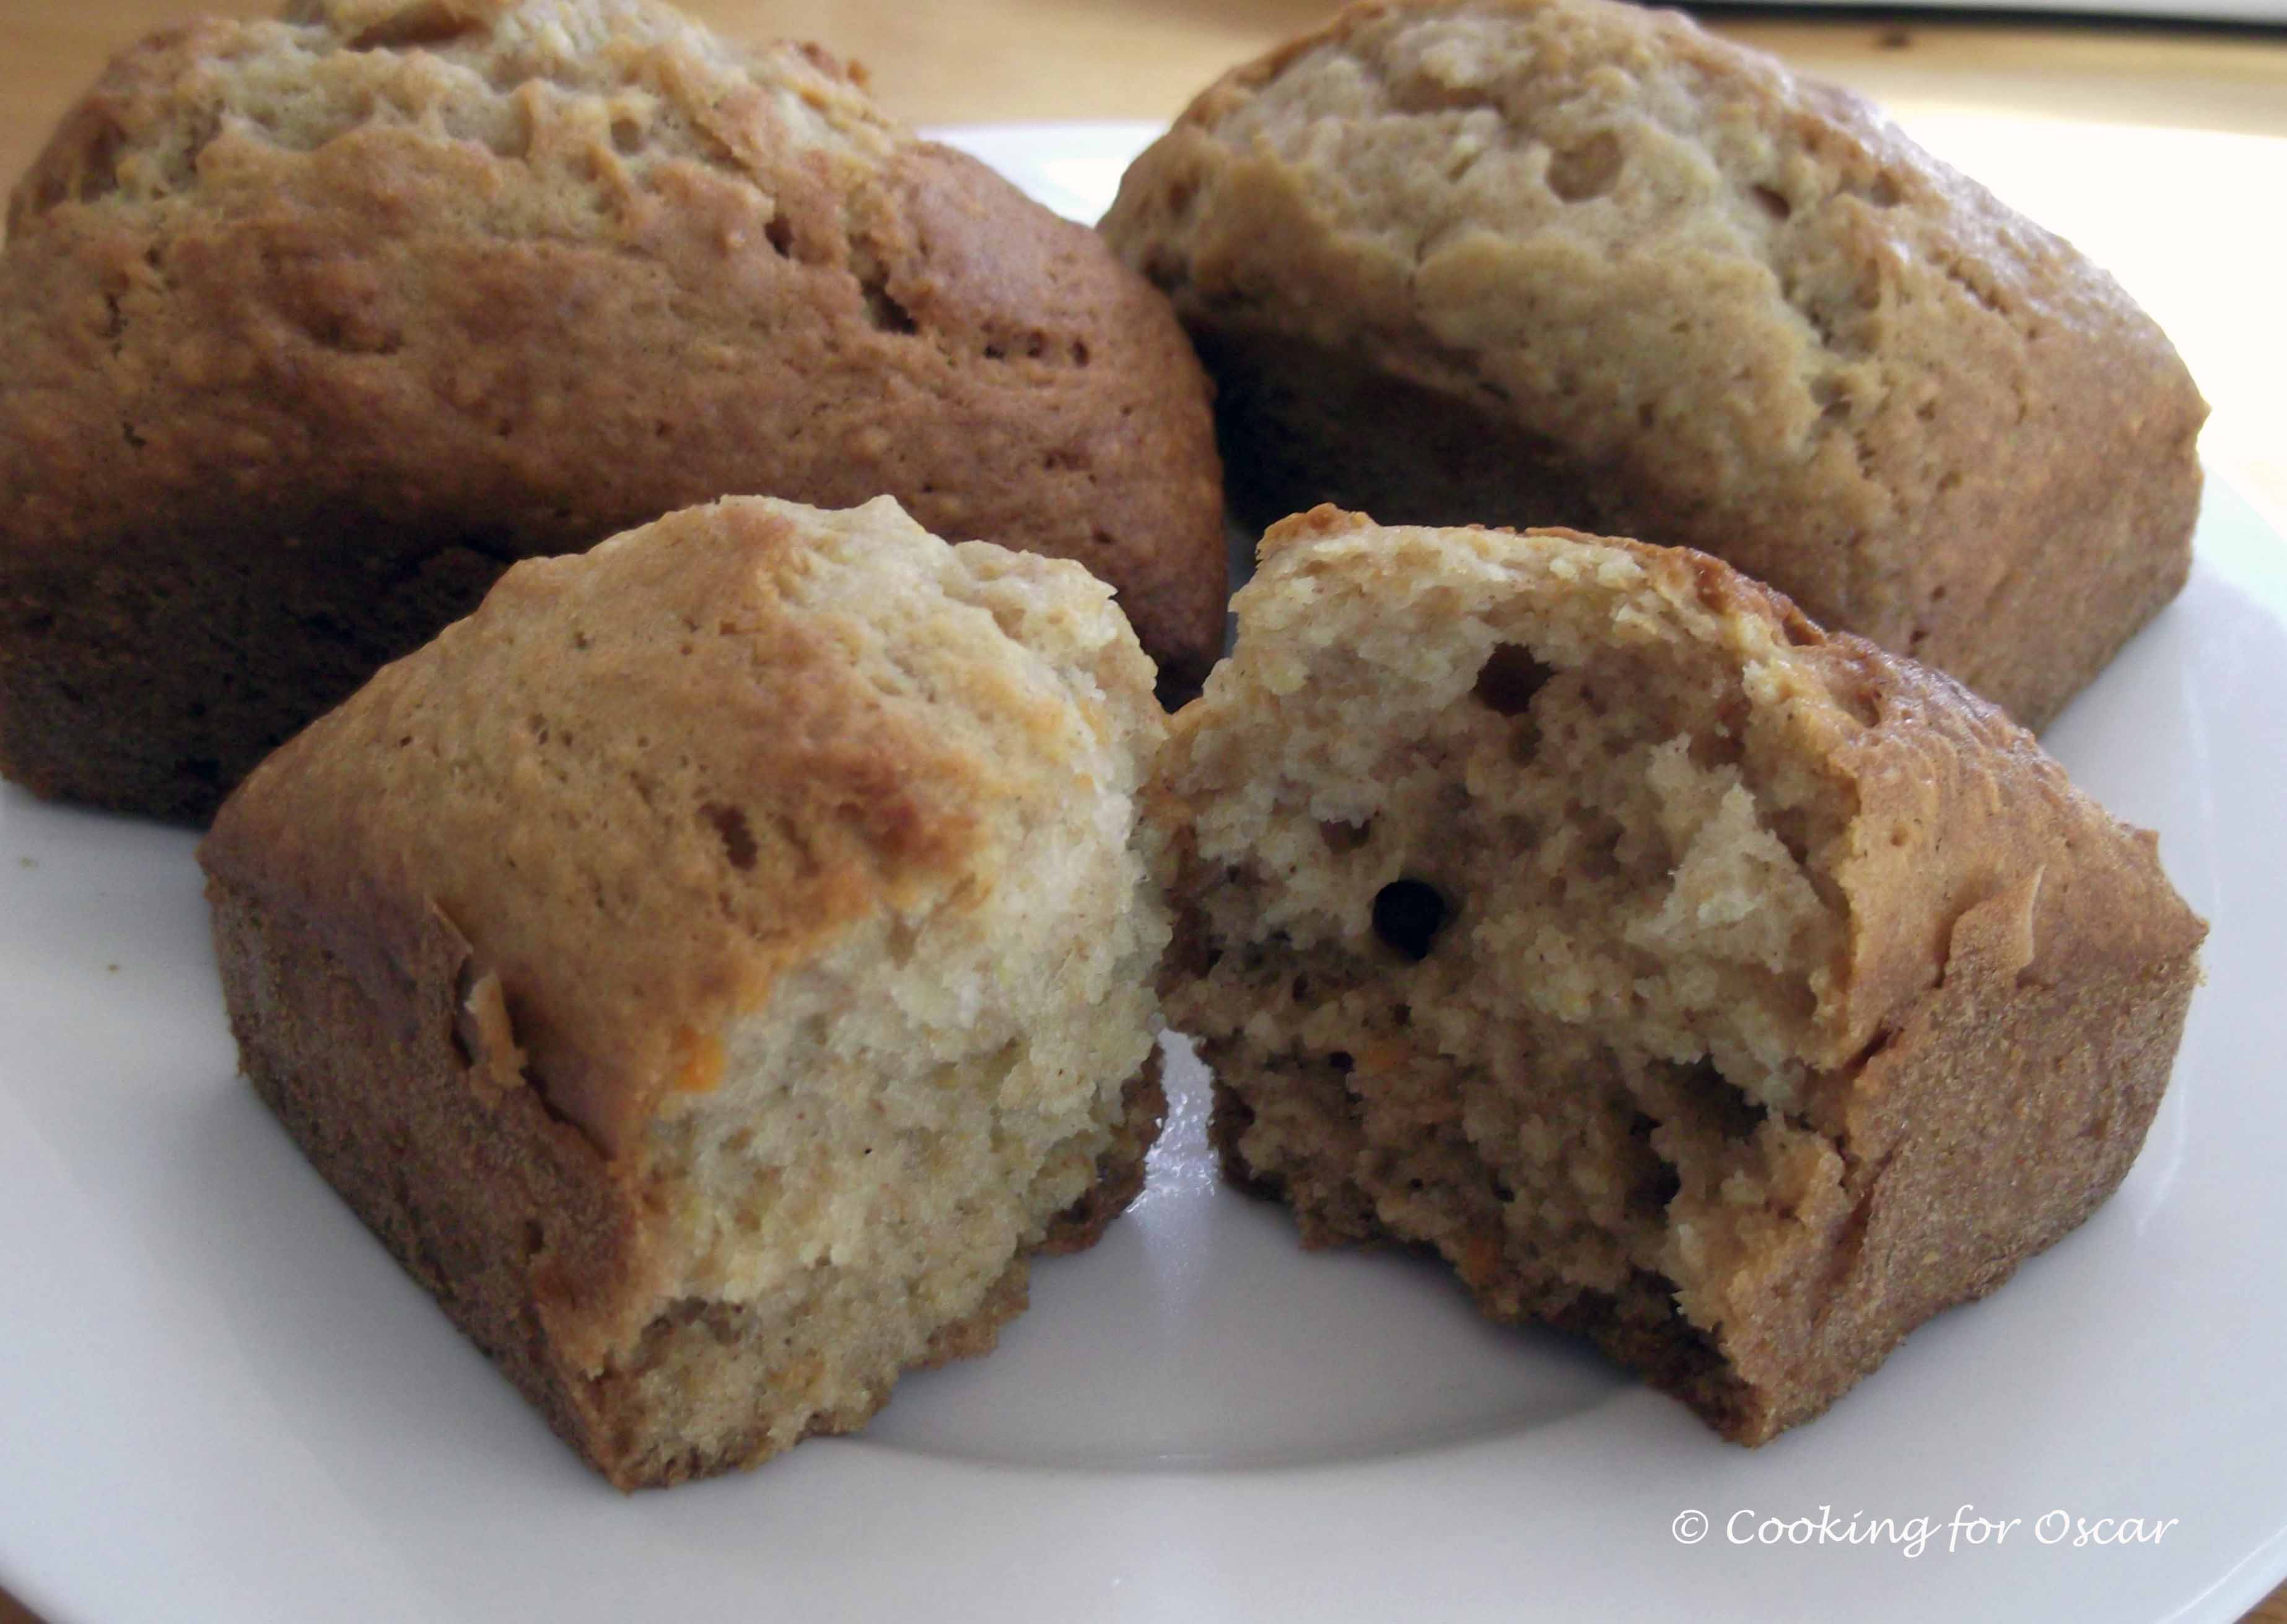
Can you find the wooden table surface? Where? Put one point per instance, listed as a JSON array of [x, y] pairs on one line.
[[2162, 153]]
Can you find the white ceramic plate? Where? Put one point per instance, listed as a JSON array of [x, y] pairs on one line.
[[219, 1400]]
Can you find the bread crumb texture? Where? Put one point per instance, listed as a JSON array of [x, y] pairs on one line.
[[316, 325], [760, 908], [1574, 262], [1737, 995]]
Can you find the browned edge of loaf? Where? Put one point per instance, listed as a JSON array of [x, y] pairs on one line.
[[1978, 1179], [2001, 1101], [509, 1215], [2045, 494], [257, 447]]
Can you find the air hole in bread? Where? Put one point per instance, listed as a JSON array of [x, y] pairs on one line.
[[885, 313], [729, 825], [1340, 836], [1590, 169], [1509, 678], [1773, 202], [1408, 916], [96, 174], [1975, 285], [627, 135], [882, 309], [1657, 1181], [1724, 1107], [1883, 192], [779, 234]]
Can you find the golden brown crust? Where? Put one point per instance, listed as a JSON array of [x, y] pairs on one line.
[[1983, 1057], [507, 1215], [283, 401], [1566, 261], [2007, 1104]]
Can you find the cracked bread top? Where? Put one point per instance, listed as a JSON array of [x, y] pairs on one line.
[[555, 83], [1701, 301], [442, 185]]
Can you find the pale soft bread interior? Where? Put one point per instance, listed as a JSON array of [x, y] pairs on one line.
[[1591, 1081], [903, 1116]]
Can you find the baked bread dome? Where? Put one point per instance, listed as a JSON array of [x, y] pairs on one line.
[[715, 965], [1571, 262], [314, 326], [1737, 995]]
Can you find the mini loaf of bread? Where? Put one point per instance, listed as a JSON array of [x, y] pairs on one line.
[[313, 327], [1738, 995], [1571, 262], [713, 966]]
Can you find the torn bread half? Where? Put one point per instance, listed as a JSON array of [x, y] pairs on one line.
[[1735, 994], [716, 965]]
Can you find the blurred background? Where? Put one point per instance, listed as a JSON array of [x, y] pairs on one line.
[[992, 61]]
